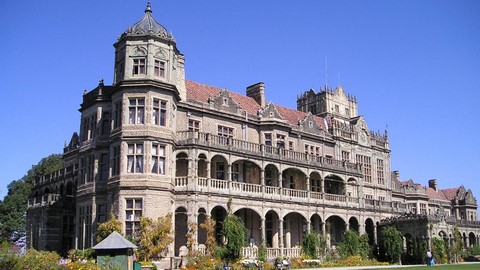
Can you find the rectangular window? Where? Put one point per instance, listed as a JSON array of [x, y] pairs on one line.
[[139, 66], [423, 208], [101, 213], [268, 142], [136, 111], [159, 68], [85, 129], [366, 164], [135, 158], [380, 174], [158, 159], [290, 146], [105, 124], [280, 141], [116, 160], [193, 125], [117, 114], [225, 131], [159, 112], [345, 156], [220, 171], [133, 212], [235, 172], [103, 167], [337, 108]]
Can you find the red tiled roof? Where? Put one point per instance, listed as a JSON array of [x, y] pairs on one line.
[[450, 193], [439, 195], [201, 93], [293, 116]]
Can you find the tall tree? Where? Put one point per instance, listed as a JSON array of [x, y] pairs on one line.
[[14, 206], [392, 242]]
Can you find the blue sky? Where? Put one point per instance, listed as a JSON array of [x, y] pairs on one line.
[[414, 66]]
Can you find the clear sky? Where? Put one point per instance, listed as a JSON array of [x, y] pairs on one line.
[[414, 67]]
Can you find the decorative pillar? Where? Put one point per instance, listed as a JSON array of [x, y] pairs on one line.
[[263, 232], [375, 240], [280, 235]]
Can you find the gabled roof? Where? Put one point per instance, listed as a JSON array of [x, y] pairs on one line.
[[450, 193], [434, 194], [114, 241], [201, 93]]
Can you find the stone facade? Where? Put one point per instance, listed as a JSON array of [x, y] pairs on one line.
[[154, 143]]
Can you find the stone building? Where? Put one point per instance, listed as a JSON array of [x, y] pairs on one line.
[[154, 143]]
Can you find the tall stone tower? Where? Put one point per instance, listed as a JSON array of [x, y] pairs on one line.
[[147, 53]]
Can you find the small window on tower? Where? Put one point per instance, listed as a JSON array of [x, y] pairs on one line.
[[139, 66]]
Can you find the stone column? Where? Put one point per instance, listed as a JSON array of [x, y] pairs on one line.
[[280, 236], [375, 234], [263, 229]]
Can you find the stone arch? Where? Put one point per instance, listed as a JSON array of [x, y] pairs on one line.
[[252, 221], [315, 182], [471, 239], [334, 184], [335, 229], [294, 178], [246, 171], [352, 187], [219, 167], [294, 227], [271, 173], [219, 214], [181, 228], [316, 223], [353, 224], [272, 229], [181, 164], [202, 233], [202, 163], [370, 231]]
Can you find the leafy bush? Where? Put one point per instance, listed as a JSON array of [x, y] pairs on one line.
[[439, 250], [39, 260], [353, 244]]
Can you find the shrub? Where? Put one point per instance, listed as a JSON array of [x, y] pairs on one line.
[[353, 244]]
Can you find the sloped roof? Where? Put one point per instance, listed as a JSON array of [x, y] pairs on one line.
[[201, 93], [450, 193], [438, 195], [114, 241]]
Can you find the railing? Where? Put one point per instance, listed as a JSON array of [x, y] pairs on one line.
[[43, 200], [240, 189], [241, 146], [273, 253], [335, 198]]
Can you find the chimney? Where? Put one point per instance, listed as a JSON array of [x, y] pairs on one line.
[[257, 92], [432, 184], [396, 175]]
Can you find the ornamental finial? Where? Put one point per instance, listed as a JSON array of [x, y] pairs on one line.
[[148, 8]]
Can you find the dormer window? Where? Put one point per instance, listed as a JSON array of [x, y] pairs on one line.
[[139, 66], [159, 69], [225, 101]]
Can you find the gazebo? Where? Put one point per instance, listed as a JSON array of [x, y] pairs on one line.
[[115, 250]]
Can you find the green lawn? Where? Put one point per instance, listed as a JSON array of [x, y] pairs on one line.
[[475, 266]]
